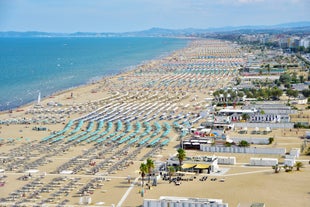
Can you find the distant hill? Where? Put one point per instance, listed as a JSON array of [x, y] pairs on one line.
[[162, 32], [293, 25]]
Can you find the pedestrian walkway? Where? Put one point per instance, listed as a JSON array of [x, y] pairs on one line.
[[127, 192]]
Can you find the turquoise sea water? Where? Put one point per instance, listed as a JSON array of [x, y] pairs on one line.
[[48, 65]]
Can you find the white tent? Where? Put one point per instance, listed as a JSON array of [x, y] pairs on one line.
[[66, 172], [32, 171], [206, 130]]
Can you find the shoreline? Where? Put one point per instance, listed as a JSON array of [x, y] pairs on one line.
[[89, 82]]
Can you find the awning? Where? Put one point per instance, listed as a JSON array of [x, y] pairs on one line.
[[206, 130], [32, 171], [188, 165], [66, 172], [202, 166]]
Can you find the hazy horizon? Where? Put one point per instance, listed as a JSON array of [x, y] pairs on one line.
[[136, 15], [228, 26]]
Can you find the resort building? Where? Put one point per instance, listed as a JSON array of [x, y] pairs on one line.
[[167, 201], [237, 112], [218, 123], [198, 164], [258, 114]]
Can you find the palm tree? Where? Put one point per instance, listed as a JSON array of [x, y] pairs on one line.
[[245, 116], [288, 168], [143, 171], [171, 171], [298, 165], [181, 155], [268, 68], [150, 165]]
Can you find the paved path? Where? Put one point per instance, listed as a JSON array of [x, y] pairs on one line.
[[244, 173], [127, 193]]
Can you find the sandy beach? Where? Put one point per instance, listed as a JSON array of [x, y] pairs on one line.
[[102, 132]]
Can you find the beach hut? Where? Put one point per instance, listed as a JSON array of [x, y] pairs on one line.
[[66, 172], [243, 130], [202, 168], [267, 130], [256, 130]]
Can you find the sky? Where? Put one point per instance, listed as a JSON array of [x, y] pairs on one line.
[[134, 15]]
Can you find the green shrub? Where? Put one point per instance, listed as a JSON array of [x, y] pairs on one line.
[[244, 143], [271, 139]]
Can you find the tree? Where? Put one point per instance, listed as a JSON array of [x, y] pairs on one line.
[[245, 116], [271, 139], [276, 92], [240, 94], [306, 92], [268, 68], [244, 143], [298, 165], [171, 171], [277, 82], [292, 93], [294, 77], [181, 155], [150, 166], [285, 78], [301, 79], [228, 144], [238, 81], [216, 93], [143, 171], [264, 93]]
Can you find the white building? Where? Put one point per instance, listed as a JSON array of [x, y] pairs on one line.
[[263, 161], [305, 42], [168, 201], [199, 164]]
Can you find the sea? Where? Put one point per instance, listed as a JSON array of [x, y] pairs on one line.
[[29, 66]]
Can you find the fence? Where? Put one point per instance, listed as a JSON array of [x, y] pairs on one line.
[[246, 150], [252, 140], [287, 125], [263, 162], [226, 160]]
